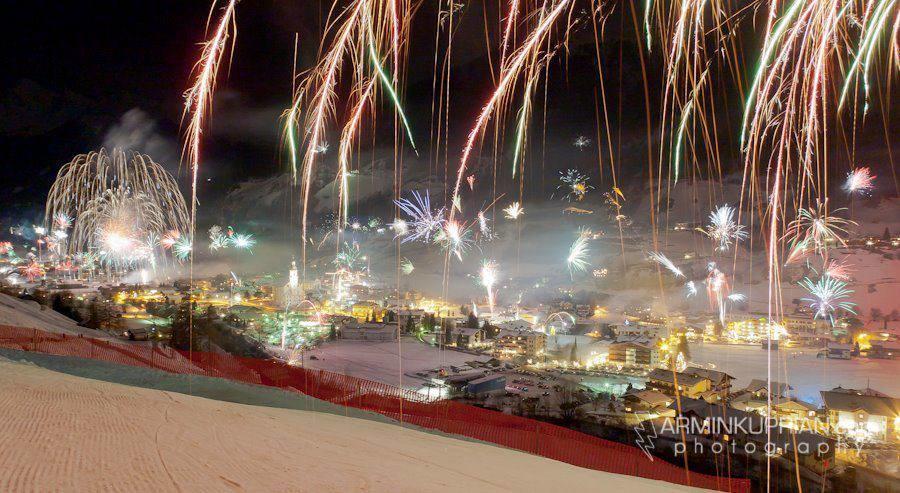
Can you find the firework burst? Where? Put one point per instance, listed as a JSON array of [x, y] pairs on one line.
[[424, 222], [827, 296], [33, 271], [455, 238], [860, 181], [182, 248], [816, 230], [664, 261], [838, 270], [108, 198], [488, 278], [578, 254], [723, 229], [513, 211], [717, 290], [217, 239], [243, 241], [575, 184]]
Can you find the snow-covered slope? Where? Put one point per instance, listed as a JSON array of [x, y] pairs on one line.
[[66, 433], [19, 313]]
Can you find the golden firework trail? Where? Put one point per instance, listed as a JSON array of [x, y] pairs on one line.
[[198, 98], [508, 77], [357, 31]]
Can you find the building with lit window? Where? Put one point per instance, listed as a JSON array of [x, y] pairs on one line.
[[512, 344], [633, 354], [862, 414]]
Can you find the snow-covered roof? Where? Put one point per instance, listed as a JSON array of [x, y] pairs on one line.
[[517, 324], [872, 404], [756, 385]]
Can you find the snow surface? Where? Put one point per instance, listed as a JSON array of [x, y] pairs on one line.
[[30, 314], [799, 368], [381, 362], [66, 433]]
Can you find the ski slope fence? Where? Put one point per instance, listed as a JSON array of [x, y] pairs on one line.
[[404, 405]]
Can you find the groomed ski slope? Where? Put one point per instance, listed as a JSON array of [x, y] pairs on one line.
[[65, 433]]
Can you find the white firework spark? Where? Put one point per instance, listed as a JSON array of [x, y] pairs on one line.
[[423, 222], [578, 254], [717, 289], [217, 239], [513, 211], [737, 297], [484, 227], [859, 181], [723, 229], [455, 238], [400, 227], [243, 241], [690, 289], [581, 142], [488, 277], [664, 261]]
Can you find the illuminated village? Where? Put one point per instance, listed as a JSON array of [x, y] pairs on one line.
[[678, 282]]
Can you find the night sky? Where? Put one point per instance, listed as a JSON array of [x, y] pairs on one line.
[[78, 75]]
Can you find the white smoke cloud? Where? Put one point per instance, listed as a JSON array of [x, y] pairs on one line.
[[137, 131]]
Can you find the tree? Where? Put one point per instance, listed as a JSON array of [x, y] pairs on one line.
[[211, 313], [410, 326], [428, 322], [332, 333], [887, 235], [182, 337], [448, 330], [573, 354], [472, 321], [490, 331], [567, 410]]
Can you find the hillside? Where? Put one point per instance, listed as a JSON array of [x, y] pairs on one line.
[[20, 313], [63, 432]]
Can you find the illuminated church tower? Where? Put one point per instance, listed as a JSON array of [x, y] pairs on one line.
[[292, 292]]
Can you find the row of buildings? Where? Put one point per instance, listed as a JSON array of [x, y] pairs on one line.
[[862, 415]]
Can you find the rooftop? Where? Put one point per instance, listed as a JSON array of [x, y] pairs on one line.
[[668, 377], [842, 400]]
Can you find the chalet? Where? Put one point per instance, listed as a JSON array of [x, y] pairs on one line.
[[794, 413], [466, 337], [884, 350], [760, 389], [688, 385], [862, 414], [646, 400], [814, 451], [720, 381]]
